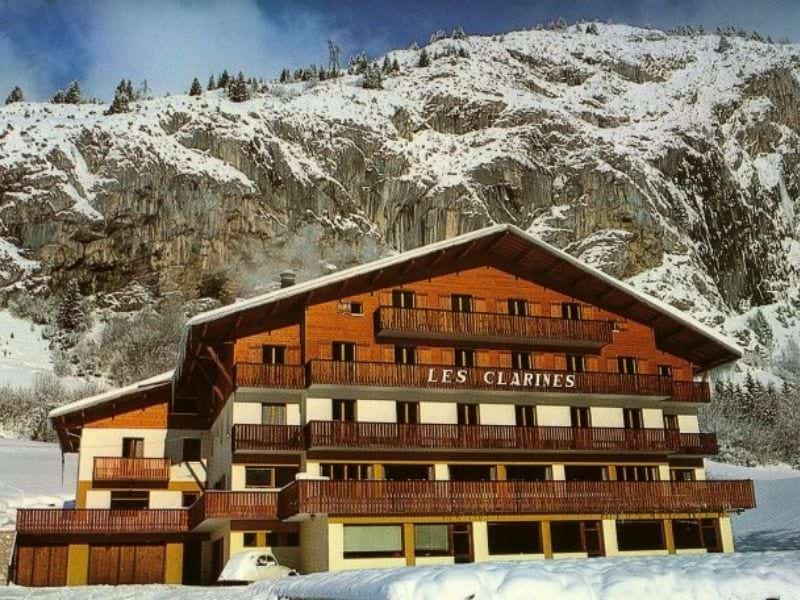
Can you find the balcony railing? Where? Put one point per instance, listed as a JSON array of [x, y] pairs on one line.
[[267, 438], [95, 520], [338, 434], [270, 376], [366, 498], [386, 374], [432, 323], [223, 504], [117, 469]]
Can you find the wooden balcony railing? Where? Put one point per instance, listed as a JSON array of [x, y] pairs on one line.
[[433, 323], [261, 438], [270, 376], [366, 498], [114, 468], [338, 434], [386, 374], [221, 504], [96, 520]]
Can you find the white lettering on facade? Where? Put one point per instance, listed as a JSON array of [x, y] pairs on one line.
[[501, 378]]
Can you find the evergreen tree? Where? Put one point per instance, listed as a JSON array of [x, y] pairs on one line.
[[395, 66], [424, 59], [238, 91], [458, 33], [16, 95], [285, 76], [387, 65], [73, 94], [224, 80], [462, 52], [373, 78], [437, 35], [358, 64], [71, 315], [196, 89], [59, 97], [129, 89], [121, 102], [211, 85]]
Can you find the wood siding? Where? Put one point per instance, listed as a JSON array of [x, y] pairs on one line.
[[126, 564], [41, 566]]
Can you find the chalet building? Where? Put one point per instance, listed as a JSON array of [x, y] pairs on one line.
[[484, 398]]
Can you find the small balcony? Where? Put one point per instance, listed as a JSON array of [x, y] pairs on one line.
[[113, 469], [240, 506], [390, 375], [428, 436], [260, 375], [440, 324], [96, 520], [389, 498], [267, 438]]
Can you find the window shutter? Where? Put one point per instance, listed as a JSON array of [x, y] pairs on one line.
[[560, 362], [587, 311], [364, 352], [555, 310], [444, 301], [448, 356], [325, 351], [482, 358], [421, 301], [480, 304], [505, 360], [592, 364], [387, 353]]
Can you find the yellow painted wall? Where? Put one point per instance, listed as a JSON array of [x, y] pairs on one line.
[[173, 563], [610, 537], [726, 534], [78, 564]]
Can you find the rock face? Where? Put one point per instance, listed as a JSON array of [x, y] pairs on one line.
[[652, 156]]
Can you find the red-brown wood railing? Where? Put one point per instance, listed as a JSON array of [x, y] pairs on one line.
[[259, 505], [386, 374], [270, 376], [95, 520], [339, 434], [365, 498], [260, 438], [441, 323], [114, 468]]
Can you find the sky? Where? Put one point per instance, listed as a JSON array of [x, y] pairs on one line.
[[45, 44]]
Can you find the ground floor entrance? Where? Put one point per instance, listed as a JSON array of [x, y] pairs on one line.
[[126, 564]]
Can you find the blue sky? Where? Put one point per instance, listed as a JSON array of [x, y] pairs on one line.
[[44, 44]]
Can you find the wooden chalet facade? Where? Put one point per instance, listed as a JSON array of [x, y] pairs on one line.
[[483, 398]]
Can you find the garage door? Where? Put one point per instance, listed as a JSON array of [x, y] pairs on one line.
[[40, 565], [116, 565]]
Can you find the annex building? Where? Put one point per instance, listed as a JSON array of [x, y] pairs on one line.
[[484, 398]]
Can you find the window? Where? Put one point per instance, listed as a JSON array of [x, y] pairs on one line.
[[402, 299], [467, 414], [405, 355], [671, 422], [585, 473], [282, 539], [570, 310], [356, 308], [471, 472], [407, 472], [432, 540], [344, 410], [577, 536], [518, 307], [273, 414], [687, 533], [465, 357], [633, 418], [129, 500], [580, 416], [185, 405], [665, 370], [521, 361], [626, 364], [515, 538], [189, 498], [250, 539], [576, 363], [344, 351], [461, 303], [268, 477], [373, 541], [528, 473], [640, 535], [191, 449], [346, 472], [682, 474], [273, 355], [525, 415], [637, 473], [132, 447], [408, 412]]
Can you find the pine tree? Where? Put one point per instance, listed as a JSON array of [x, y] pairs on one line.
[[358, 64], [71, 315], [211, 85], [16, 95], [285, 76], [462, 52], [59, 97], [395, 66], [196, 89], [129, 89], [238, 91], [121, 102], [73, 94], [424, 59], [458, 33], [387, 65], [224, 80], [373, 78]]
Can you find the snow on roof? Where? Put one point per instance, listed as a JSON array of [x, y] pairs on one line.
[[390, 261], [114, 394]]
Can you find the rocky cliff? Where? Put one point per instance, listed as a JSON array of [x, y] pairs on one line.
[[671, 160]]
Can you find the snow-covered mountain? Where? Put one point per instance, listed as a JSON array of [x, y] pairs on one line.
[[667, 159]]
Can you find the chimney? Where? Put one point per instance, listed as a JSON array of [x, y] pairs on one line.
[[287, 279]]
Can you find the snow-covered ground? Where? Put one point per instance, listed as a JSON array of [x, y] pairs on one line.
[[23, 351]]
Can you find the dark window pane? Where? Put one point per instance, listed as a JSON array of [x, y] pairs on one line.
[[191, 449], [640, 535], [514, 538], [274, 355]]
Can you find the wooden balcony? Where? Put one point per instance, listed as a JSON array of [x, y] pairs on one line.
[[87, 521], [389, 375], [223, 504], [389, 498], [426, 436], [439, 324], [267, 438], [269, 376], [130, 470]]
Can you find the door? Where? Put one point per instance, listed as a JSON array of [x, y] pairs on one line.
[[462, 543], [217, 558], [126, 564], [192, 563], [593, 538], [36, 566]]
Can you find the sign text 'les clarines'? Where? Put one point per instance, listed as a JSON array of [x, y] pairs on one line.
[[500, 378]]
